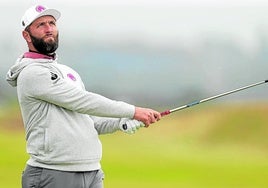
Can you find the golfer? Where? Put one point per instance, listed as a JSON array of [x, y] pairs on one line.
[[61, 119]]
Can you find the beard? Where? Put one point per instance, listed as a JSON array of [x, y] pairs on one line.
[[43, 47]]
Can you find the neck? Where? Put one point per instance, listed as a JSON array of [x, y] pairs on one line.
[[37, 55], [50, 54]]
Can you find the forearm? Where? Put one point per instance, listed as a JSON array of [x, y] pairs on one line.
[[106, 125], [110, 125]]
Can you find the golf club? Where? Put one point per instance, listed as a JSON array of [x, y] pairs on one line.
[[167, 112]]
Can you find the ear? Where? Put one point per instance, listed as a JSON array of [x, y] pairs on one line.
[[26, 36]]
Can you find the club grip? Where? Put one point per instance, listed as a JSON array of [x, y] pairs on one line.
[[165, 113]]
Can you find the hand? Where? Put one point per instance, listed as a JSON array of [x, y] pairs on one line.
[[147, 116], [130, 126]]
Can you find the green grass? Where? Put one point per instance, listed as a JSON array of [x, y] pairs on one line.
[[12, 158], [183, 167], [206, 147]]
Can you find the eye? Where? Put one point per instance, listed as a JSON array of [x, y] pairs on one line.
[[52, 23], [41, 24]]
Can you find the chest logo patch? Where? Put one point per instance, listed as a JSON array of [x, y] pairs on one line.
[[71, 76]]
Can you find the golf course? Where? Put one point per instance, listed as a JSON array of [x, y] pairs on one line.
[[209, 146]]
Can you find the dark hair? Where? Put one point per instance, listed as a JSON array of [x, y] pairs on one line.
[[27, 28]]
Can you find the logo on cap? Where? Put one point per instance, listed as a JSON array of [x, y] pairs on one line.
[[40, 8]]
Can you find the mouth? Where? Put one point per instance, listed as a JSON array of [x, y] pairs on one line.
[[49, 38]]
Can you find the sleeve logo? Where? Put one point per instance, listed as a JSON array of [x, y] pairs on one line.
[[53, 76]]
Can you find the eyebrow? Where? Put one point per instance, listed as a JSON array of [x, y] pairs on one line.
[[50, 18], [45, 21]]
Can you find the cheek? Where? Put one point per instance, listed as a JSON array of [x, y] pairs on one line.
[[55, 32]]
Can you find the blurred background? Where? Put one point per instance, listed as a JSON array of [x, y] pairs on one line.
[[160, 54], [154, 53]]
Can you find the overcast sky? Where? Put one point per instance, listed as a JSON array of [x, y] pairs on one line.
[[155, 21], [159, 23], [150, 2]]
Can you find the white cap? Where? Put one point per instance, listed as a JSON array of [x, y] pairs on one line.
[[37, 11]]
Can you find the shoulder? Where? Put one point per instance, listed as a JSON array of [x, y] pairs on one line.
[[68, 73], [35, 72], [64, 68]]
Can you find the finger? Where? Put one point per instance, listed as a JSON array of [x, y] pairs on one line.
[[157, 116], [132, 126], [146, 123], [152, 118]]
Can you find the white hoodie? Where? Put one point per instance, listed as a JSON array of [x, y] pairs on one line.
[[62, 120]]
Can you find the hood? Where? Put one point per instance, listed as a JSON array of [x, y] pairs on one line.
[[22, 62], [15, 70]]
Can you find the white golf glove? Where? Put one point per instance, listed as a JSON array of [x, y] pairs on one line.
[[130, 126]]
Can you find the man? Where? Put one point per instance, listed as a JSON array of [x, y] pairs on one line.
[[62, 120]]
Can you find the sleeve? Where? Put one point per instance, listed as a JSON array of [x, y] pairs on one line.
[[46, 83], [106, 125]]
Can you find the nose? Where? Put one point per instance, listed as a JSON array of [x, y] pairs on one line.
[[49, 27]]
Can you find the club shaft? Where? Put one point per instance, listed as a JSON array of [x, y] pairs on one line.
[[211, 98]]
